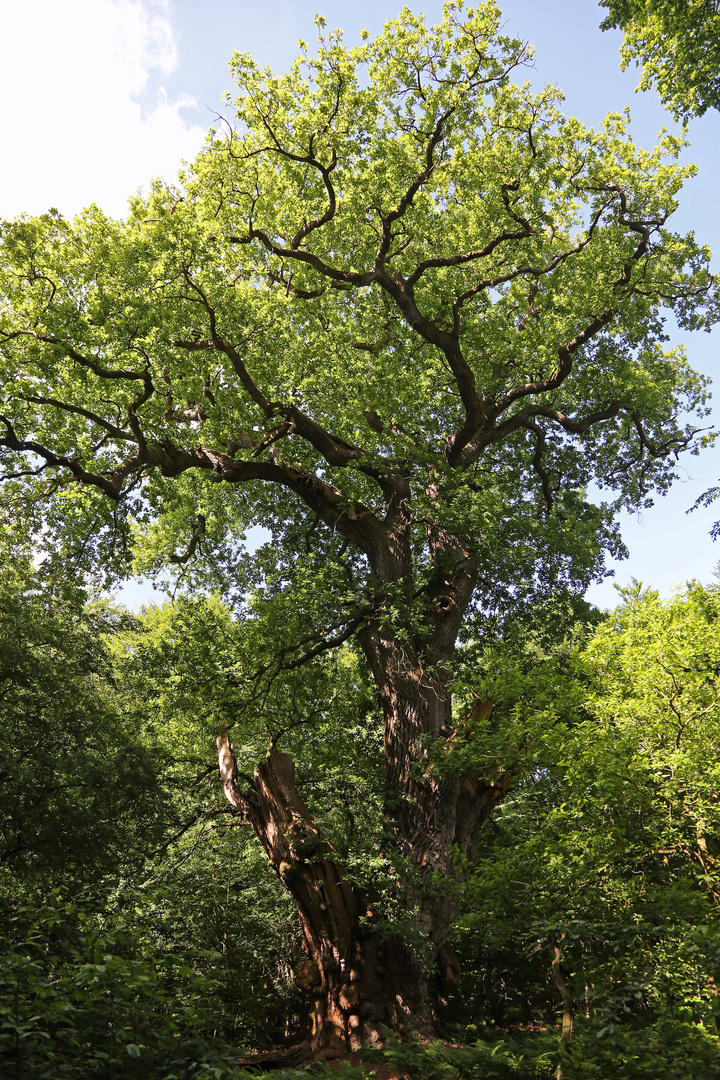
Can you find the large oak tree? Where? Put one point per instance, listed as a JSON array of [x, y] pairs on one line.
[[403, 314]]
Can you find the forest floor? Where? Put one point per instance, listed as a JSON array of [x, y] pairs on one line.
[[378, 1070], [366, 1068], [332, 1061]]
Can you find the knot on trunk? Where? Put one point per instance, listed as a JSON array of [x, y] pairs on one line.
[[304, 839], [308, 975], [287, 873]]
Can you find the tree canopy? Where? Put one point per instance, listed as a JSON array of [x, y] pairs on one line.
[[400, 259]]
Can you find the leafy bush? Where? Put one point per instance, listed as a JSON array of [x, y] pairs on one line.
[[525, 1057], [77, 1000]]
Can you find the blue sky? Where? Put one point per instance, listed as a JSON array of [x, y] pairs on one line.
[[99, 96]]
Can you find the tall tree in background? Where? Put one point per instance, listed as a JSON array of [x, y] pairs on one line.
[[677, 42], [79, 787], [607, 854], [403, 316]]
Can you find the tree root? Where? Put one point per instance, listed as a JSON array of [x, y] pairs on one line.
[[290, 1058]]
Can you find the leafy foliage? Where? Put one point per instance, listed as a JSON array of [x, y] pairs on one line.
[[505, 1058], [608, 853], [78, 998], [80, 787], [677, 42]]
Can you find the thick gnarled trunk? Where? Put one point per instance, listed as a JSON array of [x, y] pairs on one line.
[[360, 982], [363, 982], [328, 904], [437, 813]]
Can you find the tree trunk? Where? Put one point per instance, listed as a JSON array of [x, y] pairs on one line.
[[327, 903], [358, 982], [361, 982], [436, 815]]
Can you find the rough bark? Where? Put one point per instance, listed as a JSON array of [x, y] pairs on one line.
[[358, 982], [328, 904], [361, 982], [567, 1004]]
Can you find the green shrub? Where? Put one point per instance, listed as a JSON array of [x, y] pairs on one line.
[[77, 1000]]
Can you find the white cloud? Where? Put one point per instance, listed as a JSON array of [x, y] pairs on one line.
[[74, 125]]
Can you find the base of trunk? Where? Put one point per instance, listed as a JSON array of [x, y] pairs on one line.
[[383, 989], [292, 1057]]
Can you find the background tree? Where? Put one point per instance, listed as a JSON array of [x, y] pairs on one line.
[[138, 929], [403, 316], [677, 42], [80, 792], [606, 855]]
